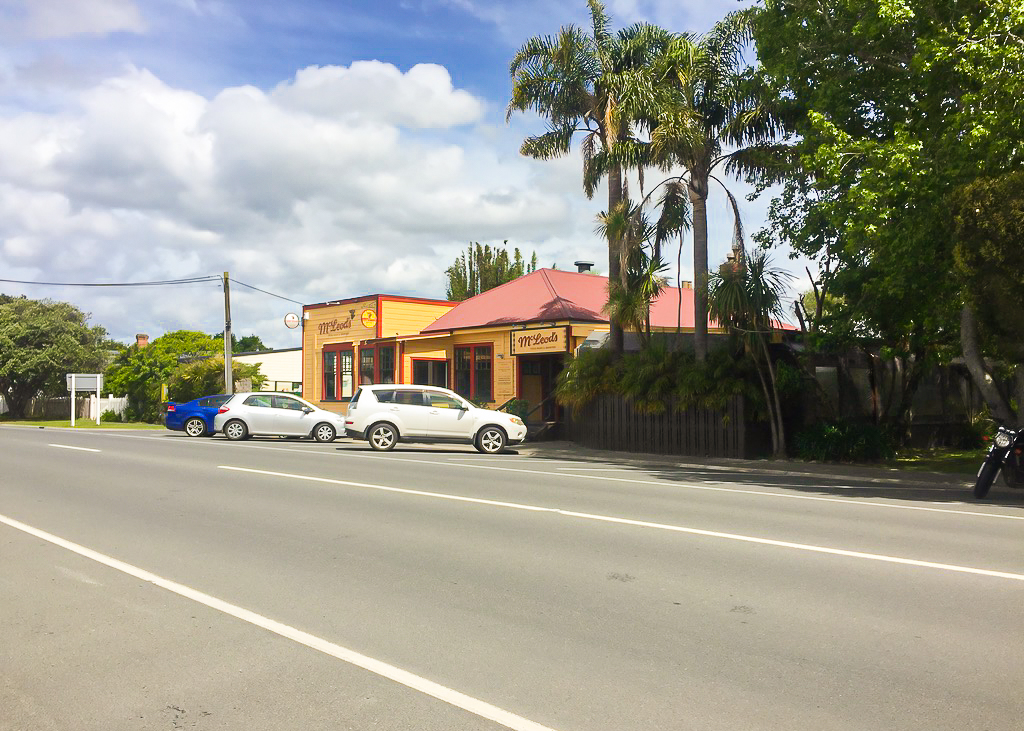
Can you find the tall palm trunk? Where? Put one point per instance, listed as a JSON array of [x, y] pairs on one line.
[[616, 273], [698, 194]]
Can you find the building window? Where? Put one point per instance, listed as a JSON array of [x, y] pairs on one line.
[[366, 371], [345, 357], [430, 372], [386, 361], [338, 374], [330, 375], [473, 372]]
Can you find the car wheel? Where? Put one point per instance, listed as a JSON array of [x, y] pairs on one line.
[[490, 440], [382, 437], [195, 427], [324, 433], [236, 430]]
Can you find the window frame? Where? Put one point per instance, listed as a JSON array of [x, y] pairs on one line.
[[339, 350], [413, 360], [472, 347]]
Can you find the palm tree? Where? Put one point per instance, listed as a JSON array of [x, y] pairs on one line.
[[629, 299], [711, 113], [746, 296], [596, 85]]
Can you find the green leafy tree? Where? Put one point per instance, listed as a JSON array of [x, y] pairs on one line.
[[989, 220], [246, 344], [40, 342], [484, 267], [139, 373], [893, 106], [746, 296], [596, 85], [204, 377]]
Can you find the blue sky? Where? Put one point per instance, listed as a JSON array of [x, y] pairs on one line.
[[314, 149]]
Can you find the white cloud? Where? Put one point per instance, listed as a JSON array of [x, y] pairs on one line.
[[47, 19], [315, 190], [374, 91]]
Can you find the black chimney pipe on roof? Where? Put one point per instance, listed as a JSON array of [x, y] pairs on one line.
[[583, 266]]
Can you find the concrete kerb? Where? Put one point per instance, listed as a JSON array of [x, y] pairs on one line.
[[782, 468]]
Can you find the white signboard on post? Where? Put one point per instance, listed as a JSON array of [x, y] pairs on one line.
[[85, 382]]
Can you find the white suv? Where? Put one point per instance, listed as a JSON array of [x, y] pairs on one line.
[[384, 414]]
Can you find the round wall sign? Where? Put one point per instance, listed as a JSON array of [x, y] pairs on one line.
[[291, 320], [368, 318]]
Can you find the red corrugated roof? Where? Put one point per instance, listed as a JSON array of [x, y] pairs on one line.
[[551, 294]]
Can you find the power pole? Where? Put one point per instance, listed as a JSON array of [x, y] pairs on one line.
[[229, 383]]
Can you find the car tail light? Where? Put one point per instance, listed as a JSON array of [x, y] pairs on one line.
[[170, 407], [223, 410]]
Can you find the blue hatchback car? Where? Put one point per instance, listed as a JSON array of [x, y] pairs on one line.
[[195, 417]]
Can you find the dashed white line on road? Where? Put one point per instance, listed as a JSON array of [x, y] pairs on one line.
[[415, 682], [645, 524], [713, 486], [80, 449]]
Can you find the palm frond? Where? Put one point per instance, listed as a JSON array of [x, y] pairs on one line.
[[553, 143]]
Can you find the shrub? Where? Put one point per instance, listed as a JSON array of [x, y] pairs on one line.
[[519, 407], [655, 379], [844, 441], [110, 416]]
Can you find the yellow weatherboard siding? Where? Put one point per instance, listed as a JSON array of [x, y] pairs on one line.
[[407, 318], [340, 323]]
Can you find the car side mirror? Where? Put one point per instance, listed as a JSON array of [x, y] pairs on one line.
[[307, 410]]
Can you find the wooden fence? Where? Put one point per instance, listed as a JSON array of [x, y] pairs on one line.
[[611, 422]]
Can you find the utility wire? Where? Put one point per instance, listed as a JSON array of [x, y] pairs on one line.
[[165, 282], [265, 291], [190, 280]]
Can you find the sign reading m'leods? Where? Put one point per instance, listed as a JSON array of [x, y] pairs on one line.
[[542, 340]]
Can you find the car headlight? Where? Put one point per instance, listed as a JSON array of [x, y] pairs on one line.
[[1003, 439], [516, 420]]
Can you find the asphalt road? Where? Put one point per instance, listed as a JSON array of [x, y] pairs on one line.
[[151, 581]]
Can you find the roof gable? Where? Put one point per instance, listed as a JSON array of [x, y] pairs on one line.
[[554, 295]]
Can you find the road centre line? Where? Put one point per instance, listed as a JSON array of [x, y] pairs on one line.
[[711, 487], [377, 667], [68, 446], [644, 524]]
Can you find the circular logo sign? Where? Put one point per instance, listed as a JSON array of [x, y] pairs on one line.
[[368, 318], [291, 320]]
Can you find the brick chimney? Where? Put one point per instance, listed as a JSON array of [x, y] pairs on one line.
[[141, 340]]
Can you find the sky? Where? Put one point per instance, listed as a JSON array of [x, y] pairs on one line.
[[314, 149]]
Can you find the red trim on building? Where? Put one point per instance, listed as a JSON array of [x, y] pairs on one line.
[[472, 367], [416, 300]]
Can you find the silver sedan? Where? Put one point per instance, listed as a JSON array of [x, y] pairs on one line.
[[276, 414]]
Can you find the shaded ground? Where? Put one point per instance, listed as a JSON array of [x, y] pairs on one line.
[[79, 423]]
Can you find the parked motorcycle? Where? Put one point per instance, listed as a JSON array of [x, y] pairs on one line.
[[1004, 455]]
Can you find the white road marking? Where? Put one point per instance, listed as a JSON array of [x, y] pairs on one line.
[[378, 667], [593, 469], [707, 486], [80, 449], [646, 524]]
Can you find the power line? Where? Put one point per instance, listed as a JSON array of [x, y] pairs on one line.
[[165, 282], [160, 283], [265, 291]]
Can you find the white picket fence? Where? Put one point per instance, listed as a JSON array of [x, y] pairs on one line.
[[60, 407]]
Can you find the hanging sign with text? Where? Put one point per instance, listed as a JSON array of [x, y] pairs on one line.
[[540, 340]]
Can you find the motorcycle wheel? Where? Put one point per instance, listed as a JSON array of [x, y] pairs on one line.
[[986, 477], [1013, 475]]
